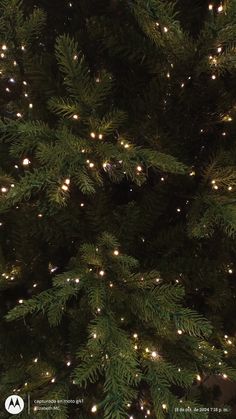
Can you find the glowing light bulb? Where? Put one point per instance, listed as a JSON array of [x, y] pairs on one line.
[[53, 380], [21, 301], [3, 189], [198, 377], [35, 360], [230, 271], [116, 252], [31, 105], [93, 135], [75, 116], [35, 285], [68, 363], [178, 210], [77, 280], [219, 49], [2, 55], [22, 47], [67, 181], [210, 6], [220, 8], [82, 204], [135, 335], [94, 409], [154, 354], [165, 29], [225, 376], [168, 75], [224, 134], [26, 162], [91, 165], [75, 57], [126, 146], [213, 76], [100, 136], [4, 47], [101, 273], [164, 406], [19, 115], [230, 188], [215, 187], [64, 187], [139, 168], [180, 332], [229, 342]]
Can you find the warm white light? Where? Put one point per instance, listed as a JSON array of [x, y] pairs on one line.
[[154, 354], [116, 252], [3, 189], [19, 115], [26, 162], [220, 8], [135, 335], [139, 168], [64, 188], [82, 204], [179, 332], [198, 377], [75, 116], [230, 188], [35, 360], [213, 76], [21, 301], [164, 406], [216, 187], [35, 285], [165, 29], [100, 136], [53, 380], [77, 280], [67, 181], [94, 409], [93, 135], [229, 342], [91, 165], [4, 47], [40, 215], [31, 105], [101, 273], [225, 376], [178, 210], [210, 6], [68, 363], [230, 271], [219, 49]]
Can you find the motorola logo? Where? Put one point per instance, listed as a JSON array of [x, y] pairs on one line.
[[14, 404]]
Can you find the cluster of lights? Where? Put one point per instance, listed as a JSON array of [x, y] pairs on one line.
[[91, 165], [94, 135], [65, 185], [219, 9]]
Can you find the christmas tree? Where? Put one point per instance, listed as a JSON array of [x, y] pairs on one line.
[[117, 207]]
